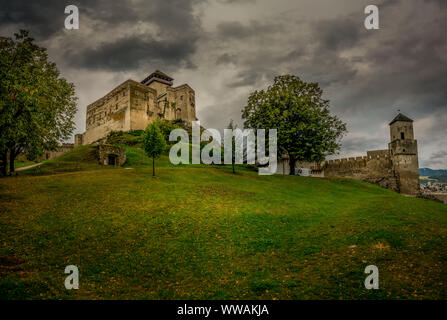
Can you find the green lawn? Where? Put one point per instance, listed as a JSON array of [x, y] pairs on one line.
[[200, 232], [23, 163]]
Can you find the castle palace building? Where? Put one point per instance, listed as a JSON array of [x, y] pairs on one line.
[[133, 105]]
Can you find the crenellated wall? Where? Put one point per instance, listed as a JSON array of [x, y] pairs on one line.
[[395, 168], [375, 167]]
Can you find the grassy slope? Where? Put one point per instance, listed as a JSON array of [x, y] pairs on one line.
[[202, 232], [23, 163]]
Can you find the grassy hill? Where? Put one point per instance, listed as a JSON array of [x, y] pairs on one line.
[[440, 178], [427, 172], [200, 232]]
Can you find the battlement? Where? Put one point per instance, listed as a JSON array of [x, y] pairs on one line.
[[375, 167], [395, 168], [361, 160]]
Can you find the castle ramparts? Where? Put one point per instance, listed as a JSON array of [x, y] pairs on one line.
[[395, 168]]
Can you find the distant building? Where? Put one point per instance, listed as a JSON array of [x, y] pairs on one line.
[[133, 105]]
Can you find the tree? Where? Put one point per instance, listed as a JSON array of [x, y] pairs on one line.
[[153, 142], [232, 126], [306, 129], [37, 106]]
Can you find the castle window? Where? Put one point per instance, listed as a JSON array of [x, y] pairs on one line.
[[402, 136], [181, 97]]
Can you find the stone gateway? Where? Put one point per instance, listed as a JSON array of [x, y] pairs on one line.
[[110, 155]]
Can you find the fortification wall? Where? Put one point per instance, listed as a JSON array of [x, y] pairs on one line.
[[376, 167], [143, 106], [113, 111], [49, 155], [407, 169]]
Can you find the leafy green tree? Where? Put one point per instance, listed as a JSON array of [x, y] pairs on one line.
[[37, 106], [166, 126], [153, 142], [306, 129]]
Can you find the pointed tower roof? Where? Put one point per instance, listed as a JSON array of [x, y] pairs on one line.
[[157, 75], [401, 117]]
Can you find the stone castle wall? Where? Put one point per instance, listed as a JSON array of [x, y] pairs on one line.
[[133, 105], [105, 151], [49, 155], [375, 167]]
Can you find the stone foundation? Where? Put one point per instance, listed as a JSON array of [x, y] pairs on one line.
[[111, 155]]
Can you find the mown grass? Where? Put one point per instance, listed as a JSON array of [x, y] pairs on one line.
[[23, 163], [200, 232]]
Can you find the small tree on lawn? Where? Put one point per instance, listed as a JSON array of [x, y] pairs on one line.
[[232, 126], [153, 143]]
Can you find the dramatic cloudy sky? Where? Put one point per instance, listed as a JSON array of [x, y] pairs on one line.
[[225, 49]]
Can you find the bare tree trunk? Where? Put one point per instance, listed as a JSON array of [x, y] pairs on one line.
[[232, 163], [4, 168], [292, 162], [12, 156]]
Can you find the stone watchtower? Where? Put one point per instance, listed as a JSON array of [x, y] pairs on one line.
[[403, 150]]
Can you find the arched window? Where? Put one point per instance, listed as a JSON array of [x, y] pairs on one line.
[[402, 136]]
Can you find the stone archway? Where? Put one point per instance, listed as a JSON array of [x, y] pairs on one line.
[[110, 155], [112, 159]]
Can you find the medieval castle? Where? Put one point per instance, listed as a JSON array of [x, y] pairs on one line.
[[133, 105]]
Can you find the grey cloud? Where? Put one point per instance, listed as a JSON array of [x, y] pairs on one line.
[[172, 42], [238, 31], [337, 34], [133, 52], [226, 58], [439, 154]]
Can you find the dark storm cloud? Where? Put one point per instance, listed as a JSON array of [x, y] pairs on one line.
[[44, 18], [236, 1], [246, 79], [133, 52], [239, 31], [226, 58], [337, 34], [441, 3], [167, 36]]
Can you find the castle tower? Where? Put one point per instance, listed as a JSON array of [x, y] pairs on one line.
[[159, 81], [404, 154]]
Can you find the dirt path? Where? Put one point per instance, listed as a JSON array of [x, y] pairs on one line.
[[29, 167]]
